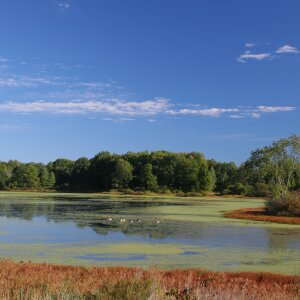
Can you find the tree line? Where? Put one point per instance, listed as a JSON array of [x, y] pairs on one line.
[[158, 171]]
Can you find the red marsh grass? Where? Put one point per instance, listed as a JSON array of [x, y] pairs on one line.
[[260, 214], [44, 281]]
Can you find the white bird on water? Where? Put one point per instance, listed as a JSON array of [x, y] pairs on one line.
[[122, 220], [109, 219]]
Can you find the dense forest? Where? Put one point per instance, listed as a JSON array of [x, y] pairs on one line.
[[158, 171]]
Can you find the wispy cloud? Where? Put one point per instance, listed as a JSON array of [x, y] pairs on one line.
[[6, 127], [287, 49], [64, 95], [112, 107], [211, 112], [16, 81], [125, 110], [251, 56], [267, 109], [3, 60], [64, 5], [259, 56]]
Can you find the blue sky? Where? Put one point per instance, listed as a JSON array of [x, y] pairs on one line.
[[81, 76]]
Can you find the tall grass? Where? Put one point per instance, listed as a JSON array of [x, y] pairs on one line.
[[24, 281]]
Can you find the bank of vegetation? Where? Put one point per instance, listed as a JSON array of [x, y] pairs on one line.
[[43, 281], [272, 172], [261, 214]]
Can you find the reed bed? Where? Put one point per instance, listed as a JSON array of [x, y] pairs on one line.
[[24, 281]]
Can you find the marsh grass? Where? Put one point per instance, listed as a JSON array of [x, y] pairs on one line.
[[24, 281], [261, 214]]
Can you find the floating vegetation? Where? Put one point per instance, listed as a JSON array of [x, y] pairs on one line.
[[86, 229]]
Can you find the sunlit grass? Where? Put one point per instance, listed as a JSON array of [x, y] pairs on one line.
[[43, 281]]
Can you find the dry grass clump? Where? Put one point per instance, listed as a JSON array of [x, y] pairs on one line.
[[43, 281], [260, 214]]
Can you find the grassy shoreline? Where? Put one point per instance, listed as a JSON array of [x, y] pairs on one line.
[[45, 281], [122, 194]]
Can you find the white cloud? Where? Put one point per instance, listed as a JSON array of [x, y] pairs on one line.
[[113, 107], [64, 5], [255, 115], [237, 116], [16, 81], [272, 109], [211, 112], [126, 110], [250, 56], [3, 60], [287, 49]]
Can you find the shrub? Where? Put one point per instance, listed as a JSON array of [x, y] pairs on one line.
[[164, 190], [193, 194], [226, 192], [137, 289], [289, 206], [189, 194], [261, 190], [180, 194], [236, 189], [127, 191]]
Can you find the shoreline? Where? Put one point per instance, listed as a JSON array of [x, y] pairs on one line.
[[259, 214], [137, 195]]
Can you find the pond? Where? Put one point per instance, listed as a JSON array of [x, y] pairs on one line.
[[86, 229]]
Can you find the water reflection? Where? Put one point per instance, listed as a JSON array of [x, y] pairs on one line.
[[103, 216], [32, 220]]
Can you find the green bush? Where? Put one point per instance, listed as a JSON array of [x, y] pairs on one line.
[[188, 194], [261, 190], [290, 206], [236, 189], [164, 190]]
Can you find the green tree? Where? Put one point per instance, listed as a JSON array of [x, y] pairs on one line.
[[164, 164], [47, 178], [79, 173], [276, 165], [210, 180], [122, 174], [62, 169], [25, 176], [187, 174], [226, 174], [101, 169], [147, 178]]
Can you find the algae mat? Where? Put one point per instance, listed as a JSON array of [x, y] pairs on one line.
[[83, 229]]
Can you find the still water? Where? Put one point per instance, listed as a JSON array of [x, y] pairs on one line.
[[83, 229]]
